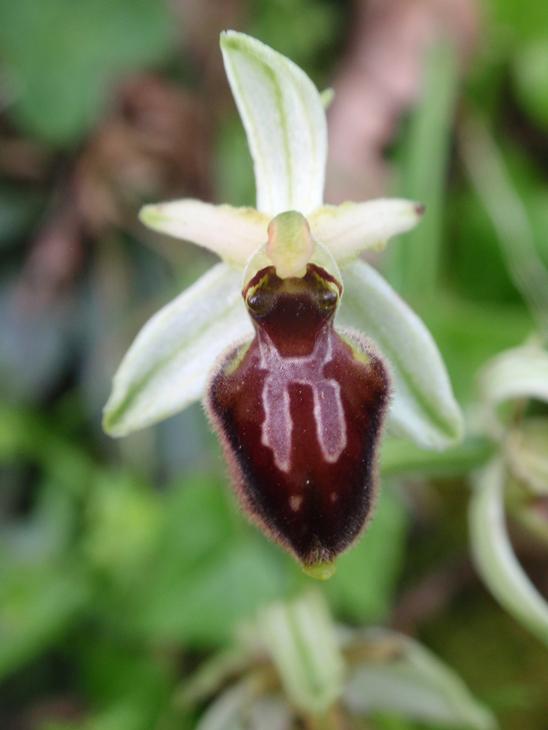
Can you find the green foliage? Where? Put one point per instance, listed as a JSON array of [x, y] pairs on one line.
[[38, 603], [531, 80], [206, 575], [363, 587], [63, 58], [234, 171], [415, 268], [517, 19], [280, 24]]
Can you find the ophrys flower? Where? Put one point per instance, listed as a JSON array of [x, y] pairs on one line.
[[310, 244]]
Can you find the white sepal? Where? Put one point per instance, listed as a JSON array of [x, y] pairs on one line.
[[231, 233], [412, 682], [521, 372], [348, 229], [299, 635], [244, 706], [526, 450], [284, 119], [167, 366], [423, 408], [494, 557]]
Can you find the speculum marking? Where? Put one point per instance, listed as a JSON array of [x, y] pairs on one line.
[[277, 427]]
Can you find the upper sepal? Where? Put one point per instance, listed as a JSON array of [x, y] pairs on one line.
[[284, 120]]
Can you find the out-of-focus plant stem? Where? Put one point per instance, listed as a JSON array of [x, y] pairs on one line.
[[413, 266], [401, 457], [493, 184]]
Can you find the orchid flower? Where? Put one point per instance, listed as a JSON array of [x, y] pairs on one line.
[[297, 399]]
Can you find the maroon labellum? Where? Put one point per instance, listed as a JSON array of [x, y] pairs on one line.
[[299, 411]]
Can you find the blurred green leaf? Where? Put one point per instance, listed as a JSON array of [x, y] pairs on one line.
[[531, 80], [468, 334], [518, 20], [63, 57], [413, 265], [362, 589], [300, 637], [280, 24], [491, 178], [234, 178], [414, 683], [123, 715], [112, 669], [124, 519], [115, 673], [27, 435], [400, 457], [474, 239], [209, 571], [38, 601]]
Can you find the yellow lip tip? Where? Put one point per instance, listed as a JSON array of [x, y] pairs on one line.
[[320, 571]]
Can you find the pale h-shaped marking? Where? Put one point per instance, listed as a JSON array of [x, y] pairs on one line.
[[277, 427]]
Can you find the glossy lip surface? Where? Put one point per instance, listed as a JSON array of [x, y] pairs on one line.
[[299, 412]]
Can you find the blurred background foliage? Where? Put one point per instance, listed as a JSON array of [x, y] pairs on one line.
[[124, 564]]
